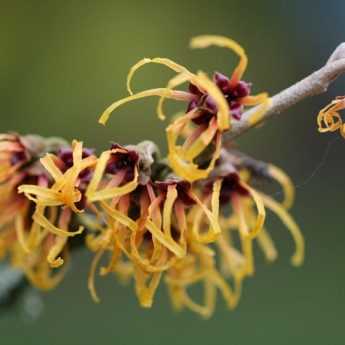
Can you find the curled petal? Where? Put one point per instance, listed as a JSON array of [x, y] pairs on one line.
[[260, 220], [181, 223], [286, 183], [91, 278], [246, 239], [229, 295], [148, 264], [183, 76], [189, 279], [200, 143], [40, 219], [329, 119], [39, 272], [298, 257], [205, 41], [167, 241], [205, 310], [119, 216], [212, 216], [233, 260], [176, 95], [189, 170], [133, 70], [265, 242], [188, 273], [165, 236], [43, 279], [146, 285], [167, 210], [172, 65], [53, 257], [161, 61]]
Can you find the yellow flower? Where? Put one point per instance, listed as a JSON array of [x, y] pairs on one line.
[[18, 165], [199, 267], [329, 119], [213, 105], [247, 220], [55, 204], [153, 240]]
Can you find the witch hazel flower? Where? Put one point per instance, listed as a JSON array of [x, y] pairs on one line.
[[329, 119], [212, 106], [59, 199]]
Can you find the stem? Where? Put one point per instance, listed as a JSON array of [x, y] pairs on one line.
[[315, 84]]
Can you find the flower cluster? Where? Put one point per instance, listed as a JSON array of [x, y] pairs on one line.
[[192, 219]]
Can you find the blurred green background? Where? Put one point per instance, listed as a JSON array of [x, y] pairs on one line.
[[63, 62]]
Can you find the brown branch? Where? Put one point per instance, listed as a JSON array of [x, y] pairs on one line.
[[316, 83]]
